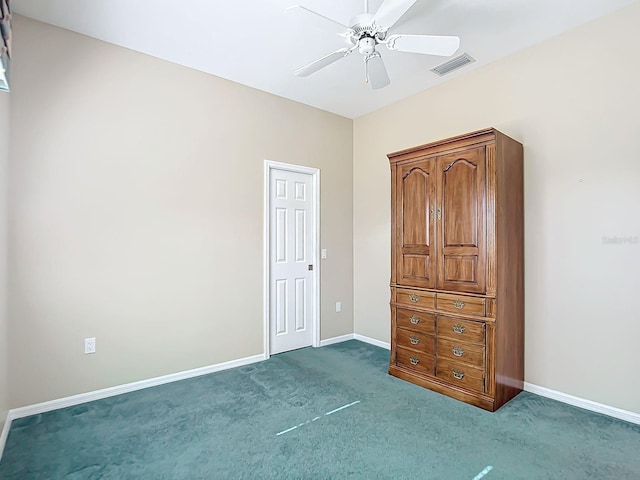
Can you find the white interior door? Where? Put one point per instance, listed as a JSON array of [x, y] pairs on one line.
[[291, 260]]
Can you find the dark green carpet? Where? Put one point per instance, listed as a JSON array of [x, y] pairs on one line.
[[225, 425]]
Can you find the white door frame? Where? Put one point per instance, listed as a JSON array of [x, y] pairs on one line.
[[315, 179]]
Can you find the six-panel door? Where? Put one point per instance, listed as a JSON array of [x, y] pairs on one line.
[[291, 283]]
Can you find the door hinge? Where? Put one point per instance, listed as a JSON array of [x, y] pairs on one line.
[[310, 267]]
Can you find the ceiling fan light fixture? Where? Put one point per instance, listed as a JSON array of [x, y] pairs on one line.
[[366, 45]]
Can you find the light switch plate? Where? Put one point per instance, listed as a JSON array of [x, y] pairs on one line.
[[89, 345]]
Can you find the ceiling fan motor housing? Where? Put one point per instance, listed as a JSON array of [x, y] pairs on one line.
[[364, 33], [362, 23]]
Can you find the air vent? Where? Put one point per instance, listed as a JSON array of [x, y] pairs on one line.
[[453, 64]]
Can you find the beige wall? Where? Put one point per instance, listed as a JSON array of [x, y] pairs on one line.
[[136, 207], [4, 327], [574, 103], [136, 213]]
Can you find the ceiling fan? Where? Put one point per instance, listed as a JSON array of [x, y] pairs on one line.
[[367, 31]]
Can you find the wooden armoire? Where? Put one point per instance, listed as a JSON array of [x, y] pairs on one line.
[[457, 268]]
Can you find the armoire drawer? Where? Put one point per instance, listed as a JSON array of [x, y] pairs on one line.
[[425, 322], [461, 330], [415, 298], [415, 340], [470, 353], [422, 362], [460, 374], [461, 304]]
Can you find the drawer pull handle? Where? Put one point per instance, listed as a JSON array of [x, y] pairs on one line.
[[458, 304], [459, 374], [414, 298], [458, 351], [414, 320], [414, 360], [414, 340], [459, 329]]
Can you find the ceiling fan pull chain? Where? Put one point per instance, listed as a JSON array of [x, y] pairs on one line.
[[366, 70]]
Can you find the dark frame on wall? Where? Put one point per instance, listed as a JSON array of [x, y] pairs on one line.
[[5, 44]]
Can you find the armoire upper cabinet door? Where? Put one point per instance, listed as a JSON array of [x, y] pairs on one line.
[[415, 224], [462, 221]]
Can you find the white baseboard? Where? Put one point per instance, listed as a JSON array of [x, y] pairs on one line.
[[5, 433], [332, 340], [372, 341], [129, 387], [355, 336], [614, 412]]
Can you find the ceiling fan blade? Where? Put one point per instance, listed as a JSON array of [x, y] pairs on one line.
[[426, 44], [313, 67], [390, 12], [376, 72], [317, 20]]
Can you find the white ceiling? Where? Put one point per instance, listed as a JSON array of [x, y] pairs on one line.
[[254, 43]]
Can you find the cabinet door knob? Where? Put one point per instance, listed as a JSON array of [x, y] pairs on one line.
[[414, 340], [458, 351], [439, 213], [459, 374], [414, 320], [414, 298], [414, 360]]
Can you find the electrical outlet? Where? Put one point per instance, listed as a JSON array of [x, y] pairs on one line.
[[89, 345], [338, 307]]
